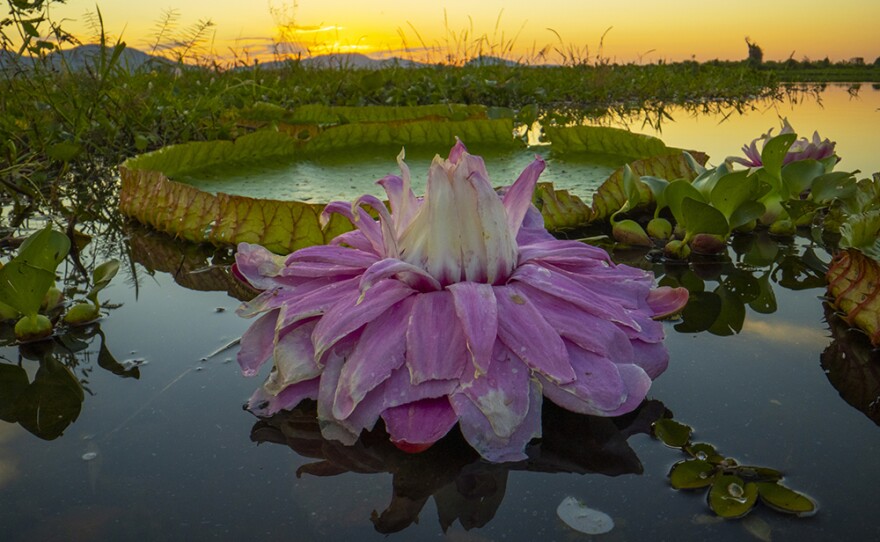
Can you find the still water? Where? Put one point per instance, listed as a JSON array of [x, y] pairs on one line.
[[161, 449]]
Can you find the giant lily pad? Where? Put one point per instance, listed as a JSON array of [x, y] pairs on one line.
[[854, 285], [205, 191]]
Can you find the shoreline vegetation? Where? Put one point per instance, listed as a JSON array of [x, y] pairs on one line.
[[68, 110]]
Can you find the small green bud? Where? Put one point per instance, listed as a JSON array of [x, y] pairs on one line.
[[677, 250], [628, 232], [52, 299], [81, 313], [783, 228], [660, 228], [33, 328]]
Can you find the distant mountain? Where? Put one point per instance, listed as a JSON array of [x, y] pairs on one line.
[[86, 56], [355, 61]]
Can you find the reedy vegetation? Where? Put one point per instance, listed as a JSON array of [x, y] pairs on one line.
[[55, 120]]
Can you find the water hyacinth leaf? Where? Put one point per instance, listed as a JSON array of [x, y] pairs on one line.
[[708, 179], [658, 189], [730, 497], [672, 433], [745, 214], [773, 156], [784, 499], [692, 474], [703, 218], [862, 232], [840, 185], [26, 278], [582, 518], [101, 277], [676, 192], [630, 189], [798, 177]]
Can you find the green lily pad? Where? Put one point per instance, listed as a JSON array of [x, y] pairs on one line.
[[784, 499], [730, 497], [672, 433], [692, 474]]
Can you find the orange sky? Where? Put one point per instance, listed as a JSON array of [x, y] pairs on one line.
[[646, 30]]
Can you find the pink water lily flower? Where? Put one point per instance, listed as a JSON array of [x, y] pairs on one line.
[[458, 308], [801, 149]]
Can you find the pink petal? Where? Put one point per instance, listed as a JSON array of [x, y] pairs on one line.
[[264, 404], [353, 311], [528, 335], [258, 266], [477, 311], [599, 387], [563, 287], [477, 430], [665, 301], [294, 356], [257, 344], [518, 198], [456, 152], [414, 276], [589, 332], [435, 343], [502, 394], [652, 357], [415, 425], [360, 219], [380, 350], [315, 302]]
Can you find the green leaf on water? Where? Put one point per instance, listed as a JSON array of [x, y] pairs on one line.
[[798, 176], [101, 277], [784, 499], [773, 155], [700, 217], [691, 474], [730, 497], [672, 433]]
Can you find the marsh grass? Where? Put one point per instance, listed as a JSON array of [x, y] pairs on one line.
[[58, 120]]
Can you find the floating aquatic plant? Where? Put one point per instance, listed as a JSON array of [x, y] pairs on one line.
[[734, 489], [456, 308]]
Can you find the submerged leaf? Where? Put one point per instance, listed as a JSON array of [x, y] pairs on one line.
[[582, 518]]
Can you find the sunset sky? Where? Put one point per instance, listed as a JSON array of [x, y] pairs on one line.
[[640, 30]]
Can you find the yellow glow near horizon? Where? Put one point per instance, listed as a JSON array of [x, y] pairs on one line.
[[640, 30]]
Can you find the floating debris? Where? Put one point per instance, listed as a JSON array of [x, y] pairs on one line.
[[582, 518], [88, 456]]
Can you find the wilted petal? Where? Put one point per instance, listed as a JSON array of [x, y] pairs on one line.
[[502, 394], [294, 357], [528, 335], [415, 426], [353, 311], [477, 430], [257, 266], [477, 311], [380, 350], [257, 344], [435, 344], [331, 427], [264, 404]]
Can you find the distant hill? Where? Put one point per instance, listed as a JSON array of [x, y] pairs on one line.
[[355, 61], [84, 56]]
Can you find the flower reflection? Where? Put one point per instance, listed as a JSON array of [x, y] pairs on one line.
[[464, 488], [455, 309]]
